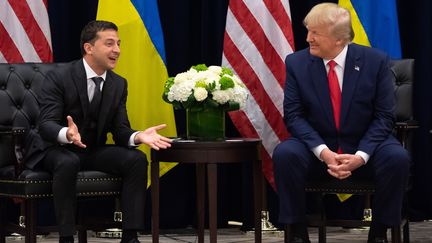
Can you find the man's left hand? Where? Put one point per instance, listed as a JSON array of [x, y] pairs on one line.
[[347, 163], [154, 140]]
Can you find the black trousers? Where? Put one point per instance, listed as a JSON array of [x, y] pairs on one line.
[[64, 162], [294, 163]]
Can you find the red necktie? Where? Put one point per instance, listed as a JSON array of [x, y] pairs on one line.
[[335, 94]]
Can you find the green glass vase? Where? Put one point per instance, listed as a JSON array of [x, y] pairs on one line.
[[206, 124]]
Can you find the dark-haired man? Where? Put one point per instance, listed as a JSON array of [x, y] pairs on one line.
[[80, 103]]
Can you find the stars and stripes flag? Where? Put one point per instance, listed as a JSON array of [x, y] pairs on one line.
[[25, 32], [258, 37]]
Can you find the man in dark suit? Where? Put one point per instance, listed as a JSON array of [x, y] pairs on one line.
[[80, 103], [338, 107]]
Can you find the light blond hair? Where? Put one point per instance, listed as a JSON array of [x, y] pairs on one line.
[[336, 17]]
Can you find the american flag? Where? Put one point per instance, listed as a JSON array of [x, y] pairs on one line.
[[25, 32], [258, 36]]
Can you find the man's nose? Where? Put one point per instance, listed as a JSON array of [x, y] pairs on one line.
[[116, 48], [309, 37]]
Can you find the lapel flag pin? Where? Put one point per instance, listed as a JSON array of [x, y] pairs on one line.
[[357, 68]]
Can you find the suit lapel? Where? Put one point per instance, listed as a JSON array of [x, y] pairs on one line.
[[353, 66], [320, 82], [80, 80], [107, 98]]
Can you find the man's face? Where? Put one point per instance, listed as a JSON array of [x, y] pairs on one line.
[[322, 43], [104, 53]]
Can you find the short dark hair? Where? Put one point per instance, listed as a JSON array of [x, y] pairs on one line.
[[89, 32]]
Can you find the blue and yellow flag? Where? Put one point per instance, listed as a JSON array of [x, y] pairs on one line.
[[375, 24], [142, 63]]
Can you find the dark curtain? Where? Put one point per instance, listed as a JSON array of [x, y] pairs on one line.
[[193, 31]]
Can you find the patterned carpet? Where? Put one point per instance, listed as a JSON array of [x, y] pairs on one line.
[[420, 232]]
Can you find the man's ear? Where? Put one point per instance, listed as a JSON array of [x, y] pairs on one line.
[[88, 48]]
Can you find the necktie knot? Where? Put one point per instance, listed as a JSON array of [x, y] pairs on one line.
[[332, 64], [97, 81]]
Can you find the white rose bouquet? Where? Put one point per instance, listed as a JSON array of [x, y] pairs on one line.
[[206, 87]]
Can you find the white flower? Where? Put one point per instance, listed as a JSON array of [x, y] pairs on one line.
[[181, 91], [202, 85], [200, 93], [240, 96], [222, 96], [215, 69]]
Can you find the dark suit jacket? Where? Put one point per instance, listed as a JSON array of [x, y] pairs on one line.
[[64, 92], [368, 102]]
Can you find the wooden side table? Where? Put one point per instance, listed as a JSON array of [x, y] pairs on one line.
[[207, 155]]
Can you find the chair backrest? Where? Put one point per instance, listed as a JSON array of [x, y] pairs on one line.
[[20, 85], [403, 72]]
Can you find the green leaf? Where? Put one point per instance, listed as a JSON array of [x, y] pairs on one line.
[[200, 67], [226, 83], [226, 70]]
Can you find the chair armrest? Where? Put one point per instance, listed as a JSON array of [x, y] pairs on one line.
[[407, 125], [17, 138], [402, 129]]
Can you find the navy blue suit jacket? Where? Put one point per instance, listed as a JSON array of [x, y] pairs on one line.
[[368, 101]]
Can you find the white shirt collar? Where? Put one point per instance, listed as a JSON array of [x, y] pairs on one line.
[[90, 73], [340, 58]]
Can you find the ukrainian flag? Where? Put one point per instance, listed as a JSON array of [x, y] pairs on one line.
[[375, 24], [142, 62]]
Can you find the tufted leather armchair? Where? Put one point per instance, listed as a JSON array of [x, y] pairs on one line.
[[403, 71], [20, 85]]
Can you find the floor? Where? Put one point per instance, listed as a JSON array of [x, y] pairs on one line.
[[420, 232]]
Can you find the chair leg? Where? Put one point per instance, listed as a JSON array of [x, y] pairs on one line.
[[396, 234], [322, 234], [287, 233], [30, 220], [2, 220], [82, 236], [406, 234]]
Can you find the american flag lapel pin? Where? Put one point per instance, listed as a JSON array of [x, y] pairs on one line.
[[357, 68]]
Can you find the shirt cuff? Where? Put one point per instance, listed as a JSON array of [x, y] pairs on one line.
[[132, 140], [318, 149], [364, 155], [61, 137]]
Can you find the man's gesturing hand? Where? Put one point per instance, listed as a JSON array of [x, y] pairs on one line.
[[72, 133], [152, 138]]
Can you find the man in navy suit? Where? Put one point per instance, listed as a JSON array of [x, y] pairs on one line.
[[81, 102], [339, 109]]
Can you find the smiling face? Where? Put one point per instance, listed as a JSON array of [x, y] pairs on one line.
[[322, 43], [103, 54], [329, 30]]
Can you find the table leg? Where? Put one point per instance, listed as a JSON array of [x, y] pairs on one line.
[[257, 181], [212, 194], [155, 200], [200, 186]]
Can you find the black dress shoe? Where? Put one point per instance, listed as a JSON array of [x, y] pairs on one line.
[[296, 233], [378, 240], [133, 240], [66, 239], [377, 233], [299, 240]]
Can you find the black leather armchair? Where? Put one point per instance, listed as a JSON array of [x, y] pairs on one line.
[[19, 109], [403, 71]]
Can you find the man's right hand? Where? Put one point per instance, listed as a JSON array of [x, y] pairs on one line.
[[72, 133], [329, 157]]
